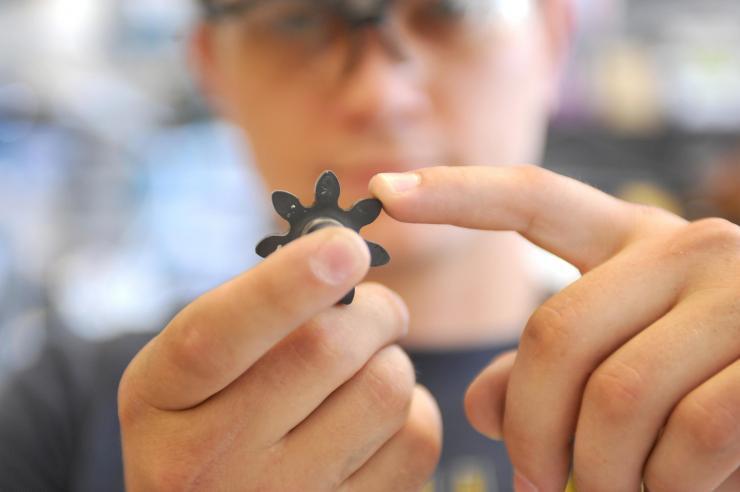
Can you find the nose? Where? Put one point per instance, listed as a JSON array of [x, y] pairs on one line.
[[383, 84]]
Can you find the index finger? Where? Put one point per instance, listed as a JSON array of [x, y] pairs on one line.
[[220, 335], [582, 225]]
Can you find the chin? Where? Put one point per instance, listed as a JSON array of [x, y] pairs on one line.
[[416, 245]]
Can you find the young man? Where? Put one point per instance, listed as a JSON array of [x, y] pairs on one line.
[[630, 375]]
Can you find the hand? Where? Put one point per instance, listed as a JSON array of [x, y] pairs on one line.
[[264, 384], [634, 370]]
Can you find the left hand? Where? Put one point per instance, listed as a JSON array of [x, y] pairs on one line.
[[632, 373]]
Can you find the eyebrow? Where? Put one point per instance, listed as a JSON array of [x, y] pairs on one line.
[[219, 10]]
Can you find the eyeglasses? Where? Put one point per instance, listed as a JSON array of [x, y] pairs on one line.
[[326, 36]]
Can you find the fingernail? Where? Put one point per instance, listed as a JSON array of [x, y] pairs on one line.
[[401, 182], [522, 484], [336, 260]]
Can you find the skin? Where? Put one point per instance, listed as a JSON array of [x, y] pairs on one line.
[[388, 116], [265, 384], [632, 370]]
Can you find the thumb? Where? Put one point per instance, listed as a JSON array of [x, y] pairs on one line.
[[486, 397]]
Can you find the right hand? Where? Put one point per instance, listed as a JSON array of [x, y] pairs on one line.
[[264, 384]]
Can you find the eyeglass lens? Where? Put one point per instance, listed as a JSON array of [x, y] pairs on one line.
[[325, 37]]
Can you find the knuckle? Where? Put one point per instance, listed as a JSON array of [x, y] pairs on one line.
[[549, 332], [616, 391], [531, 174], [320, 347], [390, 379], [329, 343], [712, 426], [710, 234], [130, 408], [192, 349]]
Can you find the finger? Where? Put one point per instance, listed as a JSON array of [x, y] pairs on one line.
[[629, 397], [732, 484], [576, 222], [700, 446], [485, 398], [297, 375], [408, 460], [354, 422], [565, 340], [217, 337]]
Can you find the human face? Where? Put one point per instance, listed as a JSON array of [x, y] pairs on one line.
[[477, 93]]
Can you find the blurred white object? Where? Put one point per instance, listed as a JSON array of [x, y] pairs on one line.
[[701, 65], [550, 271], [100, 294]]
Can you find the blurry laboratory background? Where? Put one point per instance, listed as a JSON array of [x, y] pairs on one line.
[[121, 199]]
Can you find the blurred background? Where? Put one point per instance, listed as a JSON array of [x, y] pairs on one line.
[[121, 199]]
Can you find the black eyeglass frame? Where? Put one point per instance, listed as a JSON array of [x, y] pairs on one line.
[[358, 15], [352, 12]]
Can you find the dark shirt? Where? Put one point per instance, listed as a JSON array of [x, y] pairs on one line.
[[59, 427]]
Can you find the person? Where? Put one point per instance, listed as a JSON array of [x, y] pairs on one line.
[[629, 376]]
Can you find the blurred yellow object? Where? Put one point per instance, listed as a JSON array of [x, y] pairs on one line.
[[570, 487], [628, 89], [646, 193]]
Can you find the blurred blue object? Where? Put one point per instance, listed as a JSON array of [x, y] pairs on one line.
[[194, 216], [114, 241], [203, 208]]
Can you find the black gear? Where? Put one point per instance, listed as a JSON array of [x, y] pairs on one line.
[[325, 212]]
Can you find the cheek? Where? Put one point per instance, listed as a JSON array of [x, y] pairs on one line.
[[265, 103], [497, 102], [272, 121]]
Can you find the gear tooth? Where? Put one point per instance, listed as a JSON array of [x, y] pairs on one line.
[[378, 255], [326, 209], [287, 205], [365, 212], [269, 245], [327, 189], [347, 300]]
